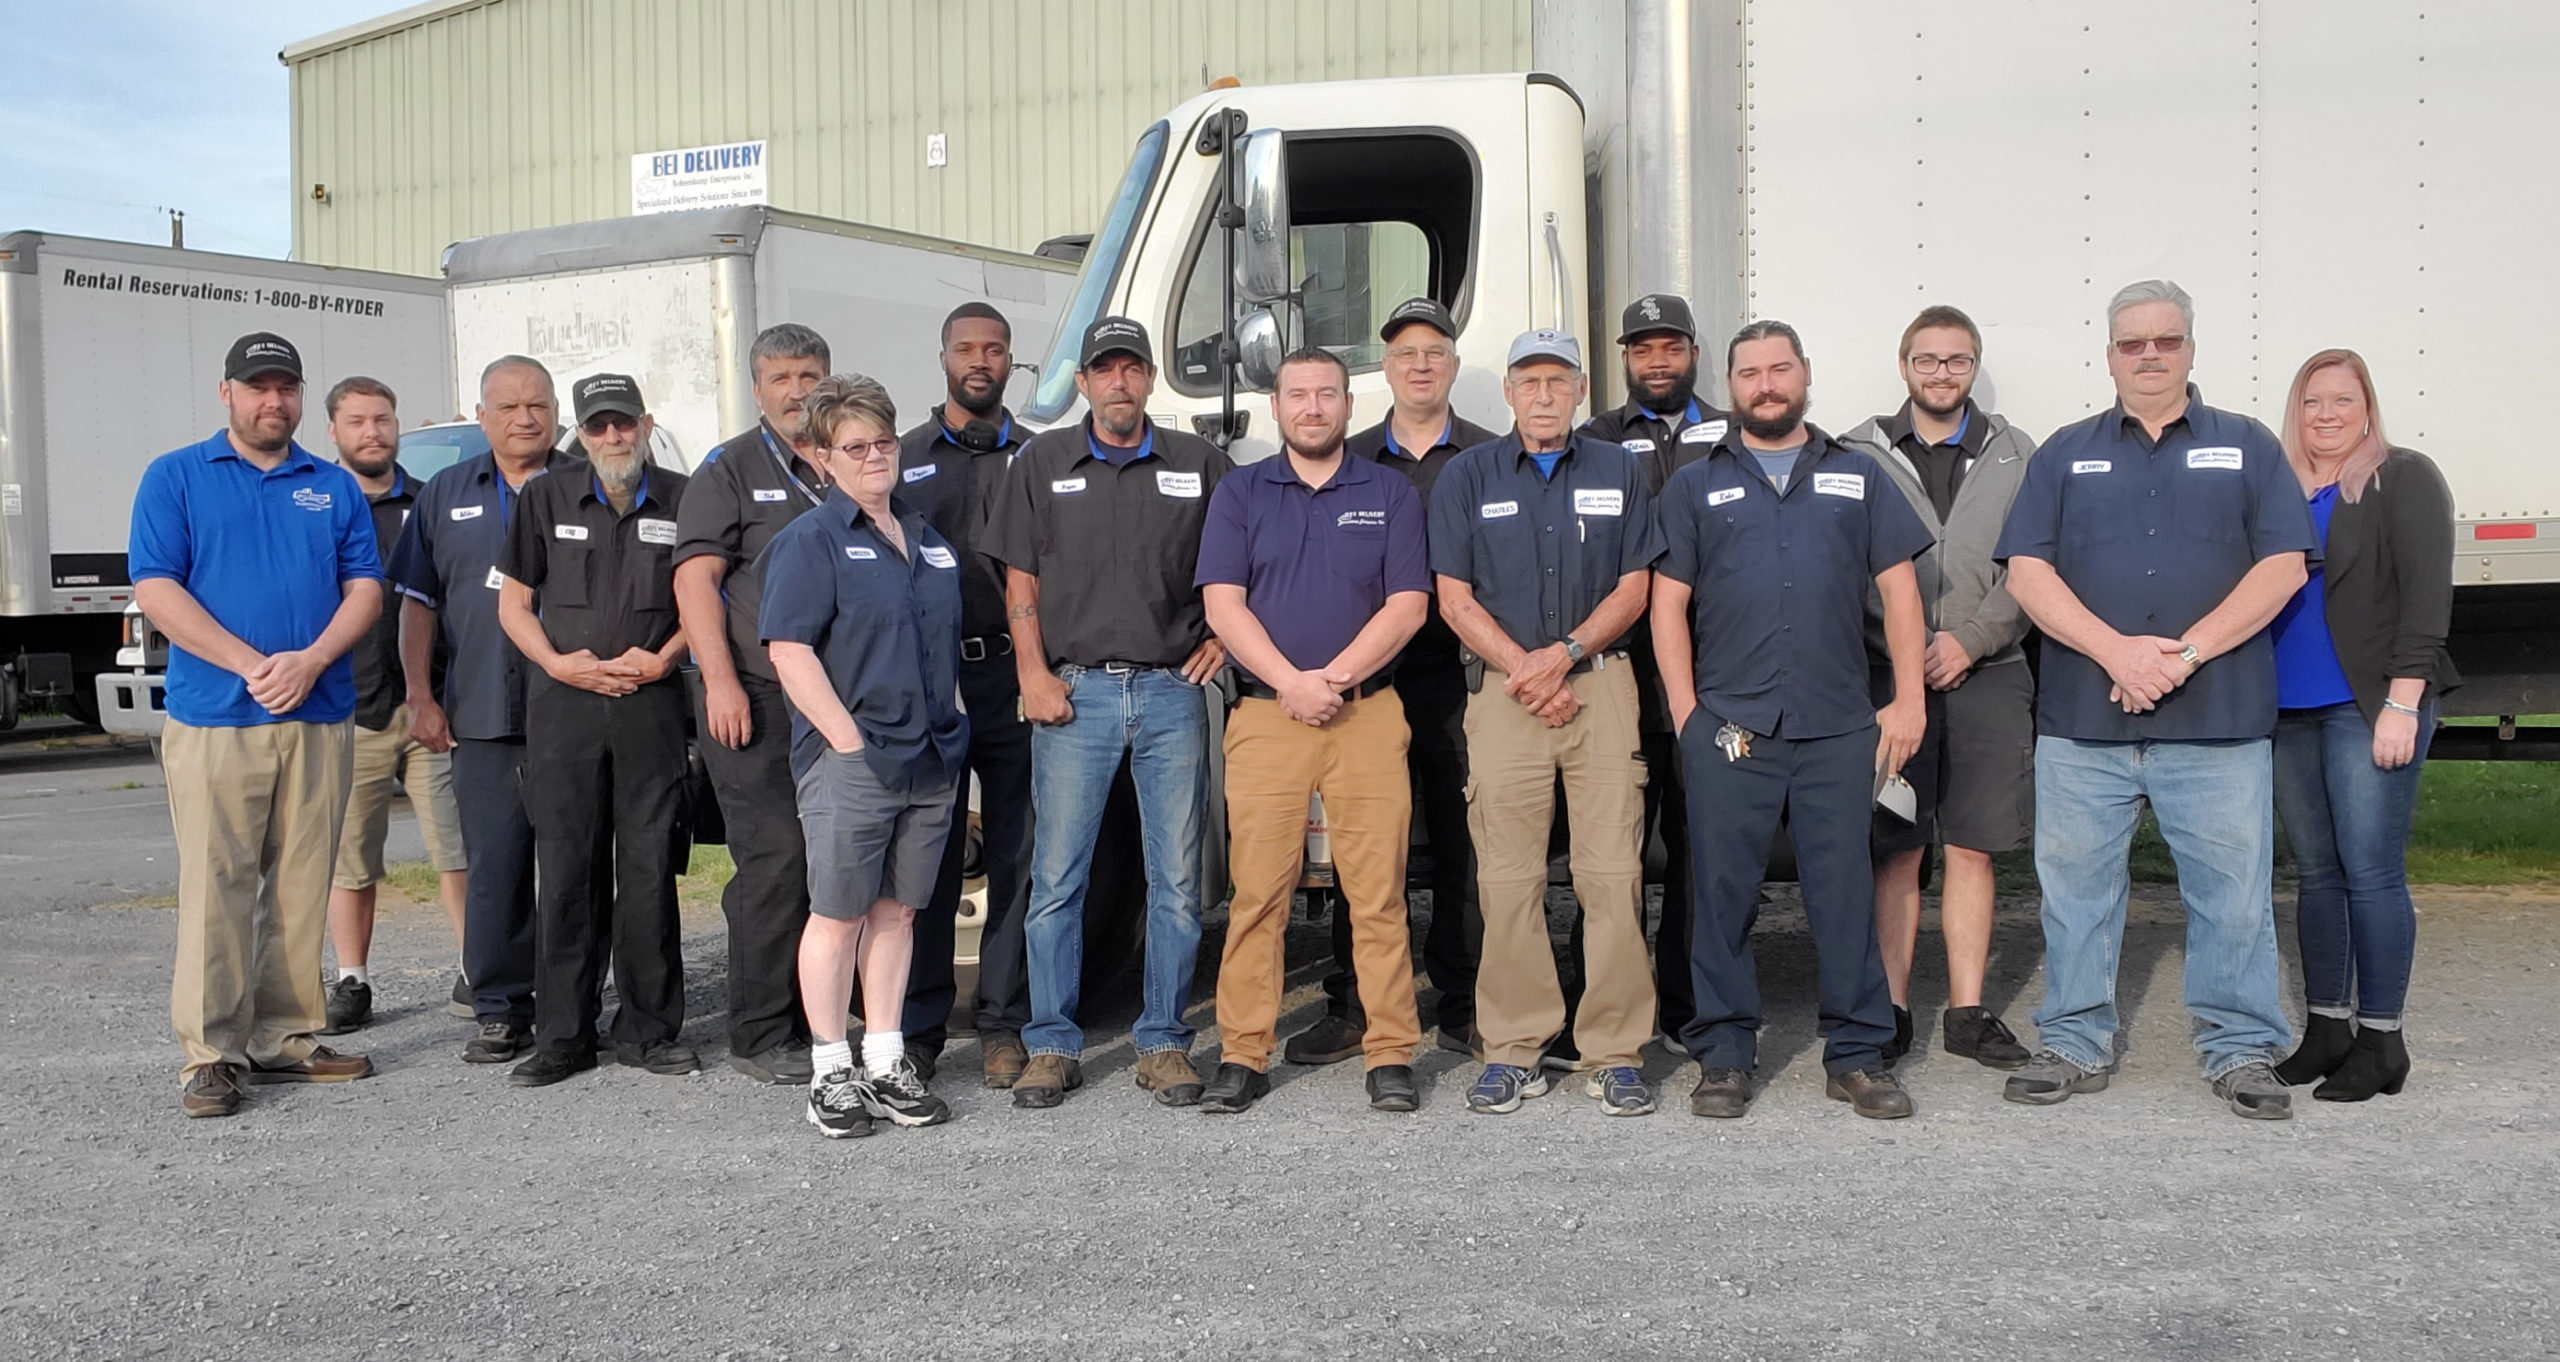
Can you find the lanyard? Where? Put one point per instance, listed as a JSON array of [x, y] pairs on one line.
[[783, 463]]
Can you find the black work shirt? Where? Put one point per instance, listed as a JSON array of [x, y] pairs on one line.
[[1941, 466], [1663, 445], [603, 580], [1779, 582], [448, 560], [739, 499], [1115, 545], [885, 626], [952, 486], [2151, 536], [380, 685], [1433, 644], [1542, 552]]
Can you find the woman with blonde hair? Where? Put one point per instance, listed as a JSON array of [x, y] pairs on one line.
[[2360, 660]]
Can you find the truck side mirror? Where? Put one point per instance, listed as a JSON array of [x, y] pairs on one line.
[[1259, 348], [1262, 248]]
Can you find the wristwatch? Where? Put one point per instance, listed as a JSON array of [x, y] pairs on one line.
[[1573, 650], [2192, 657]]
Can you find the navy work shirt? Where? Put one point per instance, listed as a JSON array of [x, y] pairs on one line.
[[742, 495], [265, 552], [1664, 443], [1316, 563], [1540, 552], [448, 560], [2151, 536], [1433, 644], [953, 486], [380, 688], [1779, 582], [887, 630]]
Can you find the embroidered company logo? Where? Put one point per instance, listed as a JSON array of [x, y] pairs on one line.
[[1362, 520], [935, 555], [2220, 456], [311, 499], [1840, 484], [1599, 501]]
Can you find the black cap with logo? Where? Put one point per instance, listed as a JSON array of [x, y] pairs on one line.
[[1657, 312], [1427, 311], [261, 352], [600, 393], [1115, 335]]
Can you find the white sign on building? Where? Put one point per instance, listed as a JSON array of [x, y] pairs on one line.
[[698, 177]]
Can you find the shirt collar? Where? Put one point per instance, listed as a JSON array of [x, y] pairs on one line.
[[1516, 450], [296, 457], [1095, 447], [401, 485], [1973, 428], [595, 487], [1637, 410], [2127, 420], [1351, 471], [1448, 426], [1004, 430], [850, 514]]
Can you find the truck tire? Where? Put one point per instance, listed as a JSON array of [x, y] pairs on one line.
[[82, 703], [8, 699]]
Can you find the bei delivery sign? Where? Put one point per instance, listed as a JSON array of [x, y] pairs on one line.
[[698, 177]]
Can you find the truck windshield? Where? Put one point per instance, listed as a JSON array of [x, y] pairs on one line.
[[1102, 263]]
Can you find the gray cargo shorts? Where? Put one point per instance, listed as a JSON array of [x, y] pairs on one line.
[[867, 841]]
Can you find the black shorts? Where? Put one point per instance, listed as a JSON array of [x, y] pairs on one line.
[[1975, 772]]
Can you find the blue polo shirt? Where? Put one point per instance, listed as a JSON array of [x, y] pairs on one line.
[[885, 627], [1779, 582], [2151, 536], [1316, 563], [265, 552], [448, 559], [1542, 551]]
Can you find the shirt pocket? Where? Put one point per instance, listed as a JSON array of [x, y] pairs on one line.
[[1838, 527], [1358, 553], [565, 577], [654, 585]]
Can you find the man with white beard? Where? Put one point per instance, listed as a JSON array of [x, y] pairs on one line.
[[588, 595]]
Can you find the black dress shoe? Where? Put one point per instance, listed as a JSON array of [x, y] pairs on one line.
[[660, 1057], [1330, 1041], [1900, 1045], [1978, 1034], [551, 1066], [1233, 1089], [350, 1006], [2325, 1043], [926, 1055], [1391, 1088], [2379, 1063]]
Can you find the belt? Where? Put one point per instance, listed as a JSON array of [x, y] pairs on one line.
[[1596, 662], [984, 646], [1258, 691]]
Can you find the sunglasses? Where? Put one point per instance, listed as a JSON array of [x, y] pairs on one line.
[[603, 421], [2165, 345]]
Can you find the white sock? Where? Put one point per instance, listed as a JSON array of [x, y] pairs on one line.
[[827, 1056], [881, 1050], [2337, 1013], [355, 972], [2377, 1023]]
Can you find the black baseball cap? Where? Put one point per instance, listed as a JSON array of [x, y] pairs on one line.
[[1657, 312], [261, 352], [1427, 311], [1114, 335], [599, 393]]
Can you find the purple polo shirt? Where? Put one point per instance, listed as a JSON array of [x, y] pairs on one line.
[[1315, 562]]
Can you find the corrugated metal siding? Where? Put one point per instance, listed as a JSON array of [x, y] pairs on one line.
[[525, 113]]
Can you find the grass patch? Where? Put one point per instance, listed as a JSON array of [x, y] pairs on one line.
[[699, 886], [126, 785]]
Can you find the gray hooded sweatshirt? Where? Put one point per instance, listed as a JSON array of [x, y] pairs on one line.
[[1964, 592]]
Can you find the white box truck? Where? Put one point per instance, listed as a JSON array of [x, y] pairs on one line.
[[2365, 175], [109, 357], [675, 300]]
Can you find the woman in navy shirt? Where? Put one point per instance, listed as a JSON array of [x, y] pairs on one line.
[[2360, 659]]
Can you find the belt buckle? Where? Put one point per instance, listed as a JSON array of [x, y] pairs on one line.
[[1122, 668], [973, 650]]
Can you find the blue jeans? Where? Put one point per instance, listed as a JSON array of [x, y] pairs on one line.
[[1161, 722], [2215, 807], [2348, 820]]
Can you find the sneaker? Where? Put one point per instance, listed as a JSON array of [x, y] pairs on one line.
[[1622, 1091], [1979, 1035], [840, 1105], [901, 1095], [659, 1057], [1001, 1058], [1900, 1045], [211, 1090], [322, 1065], [2254, 1091], [1873, 1093], [784, 1063], [1234, 1089], [462, 1006], [551, 1066], [1723, 1094], [350, 1006], [1561, 1055], [2050, 1078], [1046, 1081], [1330, 1041], [1169, 1075], [497, 1043], [1501, 1088]]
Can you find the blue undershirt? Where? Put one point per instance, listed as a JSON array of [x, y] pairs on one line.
[[2307, 672]]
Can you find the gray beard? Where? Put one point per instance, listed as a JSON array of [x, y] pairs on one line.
[[620, 483]]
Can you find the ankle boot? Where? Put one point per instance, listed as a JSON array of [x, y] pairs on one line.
[[2378, 1063], [2325, 1043]]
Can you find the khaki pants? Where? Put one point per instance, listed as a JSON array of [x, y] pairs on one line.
[[1514, 760], [257, 812], [1273, 764], [382, 756]]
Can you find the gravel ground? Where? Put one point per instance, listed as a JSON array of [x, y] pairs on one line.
[[435, 1212]]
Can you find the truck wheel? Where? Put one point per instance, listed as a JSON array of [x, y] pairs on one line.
[[82, 703], [8, 699]]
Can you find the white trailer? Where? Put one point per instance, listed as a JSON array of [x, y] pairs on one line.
[[2315, 174], [110, 354], [676, 299]]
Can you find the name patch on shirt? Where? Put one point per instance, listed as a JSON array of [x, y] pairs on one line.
[[496, 578], [310, 499], [1599, 501], [1066, 487], [2219, 456], [1178, 484], [1840, 484], [1722, 495], [570, 531], [1639, 445], [937, 556], [657, 532], [770, 494], [1362, 520], [468, 512], [1703, 433], [2092, 466], [1496, 510], [860, 554], [921, 472]]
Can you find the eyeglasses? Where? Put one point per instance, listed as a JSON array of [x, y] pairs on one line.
[[1958, 365], [1421, 354], [875, 449], [2166, 345], [603, 421]]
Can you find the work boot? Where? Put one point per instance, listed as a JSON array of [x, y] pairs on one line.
[[211, 1090], [1873, 1093], [1233, 1090], [1002, 1056], [1169, 1075], [1723, 1094], [1046, 1081]]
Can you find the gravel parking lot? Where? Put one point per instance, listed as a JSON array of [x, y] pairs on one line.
[[435, 1212]]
